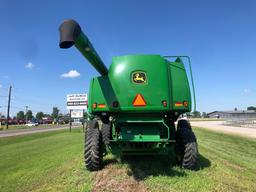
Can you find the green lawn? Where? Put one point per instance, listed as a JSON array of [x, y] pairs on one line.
[[43, 162], [54, 162]]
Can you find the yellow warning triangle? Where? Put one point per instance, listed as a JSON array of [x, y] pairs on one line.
[[139, 101]]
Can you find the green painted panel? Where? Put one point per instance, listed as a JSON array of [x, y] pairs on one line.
[[119, 85], [139, 134], [163, 80], [180, 91]]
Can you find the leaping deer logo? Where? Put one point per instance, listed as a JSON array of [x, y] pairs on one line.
[[139, 78]]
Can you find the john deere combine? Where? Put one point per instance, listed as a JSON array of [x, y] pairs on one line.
[[133, 105]]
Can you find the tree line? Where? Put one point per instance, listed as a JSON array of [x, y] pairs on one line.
[[55, 115]]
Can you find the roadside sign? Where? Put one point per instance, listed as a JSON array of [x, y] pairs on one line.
[[76, 101], [77, 114]]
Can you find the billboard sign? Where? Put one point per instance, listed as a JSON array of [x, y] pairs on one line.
[[76, 101]]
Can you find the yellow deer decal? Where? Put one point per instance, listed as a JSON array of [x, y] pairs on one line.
[[138, 78]]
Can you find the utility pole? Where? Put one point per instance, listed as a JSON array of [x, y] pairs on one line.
[[70, 123], [8, 108], [83, 120], [26, 114]]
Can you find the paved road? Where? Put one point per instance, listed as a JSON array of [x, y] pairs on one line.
[[217, 126], [10, 133]]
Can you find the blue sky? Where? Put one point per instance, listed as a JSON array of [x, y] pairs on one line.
[[218, 35]]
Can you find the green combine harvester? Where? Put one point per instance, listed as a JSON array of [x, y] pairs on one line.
[[133, 105]]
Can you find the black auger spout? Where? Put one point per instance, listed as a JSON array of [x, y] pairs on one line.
[[71, 34]]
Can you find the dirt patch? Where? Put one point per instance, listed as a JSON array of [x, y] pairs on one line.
[[232, 165], [115, 179]]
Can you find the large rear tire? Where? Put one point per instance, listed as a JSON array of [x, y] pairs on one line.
[[93, 153], [186, 145], [106, 132]]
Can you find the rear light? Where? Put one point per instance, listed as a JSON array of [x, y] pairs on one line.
[[94, 105], [102, 105], [185, 103], [181, 104], [178, 104], [164, 103]]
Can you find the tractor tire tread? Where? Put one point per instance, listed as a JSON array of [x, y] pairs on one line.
[[186, 145], [106, 133], [93, 147]]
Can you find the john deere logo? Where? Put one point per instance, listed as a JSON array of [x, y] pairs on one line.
[[139, 77]]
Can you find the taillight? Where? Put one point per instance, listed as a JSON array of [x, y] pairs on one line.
[[102, 105], [181, 104], [178, 104], [164, 103]]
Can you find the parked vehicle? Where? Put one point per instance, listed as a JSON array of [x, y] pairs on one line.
[[31, 124]]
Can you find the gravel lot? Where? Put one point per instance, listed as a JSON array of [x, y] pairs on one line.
[[217, 126]]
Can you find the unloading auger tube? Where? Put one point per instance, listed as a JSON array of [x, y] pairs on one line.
[[71, 34]]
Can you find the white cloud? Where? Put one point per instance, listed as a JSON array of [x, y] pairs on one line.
[[246, 91], [30, 65], [1, 86], [71, 74]]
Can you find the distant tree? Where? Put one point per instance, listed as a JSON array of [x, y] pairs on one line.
[[251, 108], [29, 115], [60, 115], [196, 114], [204, 115], [20, 115], [39, 115], [47, 115], [85, 115], [66, 118], [235, 109], [61, 118], [189, 114], [55, 113]]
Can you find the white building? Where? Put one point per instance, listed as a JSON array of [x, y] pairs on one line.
[[239, 114]]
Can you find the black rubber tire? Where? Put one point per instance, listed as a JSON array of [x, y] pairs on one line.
[[186, 145], [93, 153], [106, 133]]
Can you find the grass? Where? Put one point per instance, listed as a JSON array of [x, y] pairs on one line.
[[54, 162], [43, 162]]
